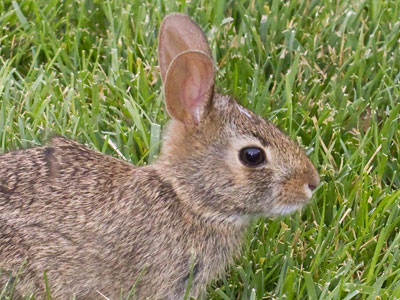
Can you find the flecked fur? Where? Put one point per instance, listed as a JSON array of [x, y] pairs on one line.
[[94, 223]]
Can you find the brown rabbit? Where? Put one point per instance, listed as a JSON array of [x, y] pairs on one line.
[[95, 223]]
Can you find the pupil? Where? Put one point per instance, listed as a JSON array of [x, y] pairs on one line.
[[253, 155]]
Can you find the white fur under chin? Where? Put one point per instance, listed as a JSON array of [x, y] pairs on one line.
[[243, 220], [285, 209]]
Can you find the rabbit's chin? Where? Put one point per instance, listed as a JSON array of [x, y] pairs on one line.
[[243, 220], [285, 209]]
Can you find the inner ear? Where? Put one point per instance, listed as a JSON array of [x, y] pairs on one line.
[[188, 86]]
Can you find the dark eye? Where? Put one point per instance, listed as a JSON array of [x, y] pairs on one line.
[[252, 156]]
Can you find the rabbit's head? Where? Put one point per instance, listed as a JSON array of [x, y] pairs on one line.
[[225, 163]]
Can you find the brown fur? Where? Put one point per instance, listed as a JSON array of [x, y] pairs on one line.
[[94, 223]]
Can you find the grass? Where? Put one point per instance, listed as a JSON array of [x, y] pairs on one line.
[[326, 72]]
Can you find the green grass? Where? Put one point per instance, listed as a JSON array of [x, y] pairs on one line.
[[326, 72]]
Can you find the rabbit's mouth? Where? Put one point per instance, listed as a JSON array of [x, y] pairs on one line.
[[287, 203]]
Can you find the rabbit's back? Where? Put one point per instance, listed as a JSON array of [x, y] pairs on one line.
[[54, 201], [57, 179]]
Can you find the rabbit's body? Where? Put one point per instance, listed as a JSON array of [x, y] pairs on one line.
[[68, 226], [97, 224]]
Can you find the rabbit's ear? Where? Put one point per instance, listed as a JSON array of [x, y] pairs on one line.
[[188, 86], [178, 33]]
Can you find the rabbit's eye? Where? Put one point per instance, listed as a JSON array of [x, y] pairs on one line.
[[252, 156]]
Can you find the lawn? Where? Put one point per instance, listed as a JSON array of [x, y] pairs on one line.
[[326, 72]]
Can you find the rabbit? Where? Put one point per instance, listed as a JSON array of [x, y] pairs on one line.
[[98, 225]]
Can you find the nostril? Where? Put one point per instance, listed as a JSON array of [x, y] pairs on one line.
[[312, 187]]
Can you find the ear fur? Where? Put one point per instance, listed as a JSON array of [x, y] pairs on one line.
[[179, 33], [188, 86]]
